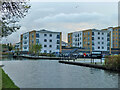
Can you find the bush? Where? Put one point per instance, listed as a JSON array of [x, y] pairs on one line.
[[113, 62]]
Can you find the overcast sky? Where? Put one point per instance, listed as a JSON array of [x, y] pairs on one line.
[[67, 17]]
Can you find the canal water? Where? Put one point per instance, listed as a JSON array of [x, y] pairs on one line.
[[51, 74]]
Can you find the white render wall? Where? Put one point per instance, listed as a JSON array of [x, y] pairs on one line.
[[53, 43], [76, 39], [96, 40], [41, 41], [25, 40]]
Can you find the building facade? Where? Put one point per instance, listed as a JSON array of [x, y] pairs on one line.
[[51, 41], [115, 39], [92, 40]]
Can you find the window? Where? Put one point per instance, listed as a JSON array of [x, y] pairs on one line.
[[25, 47], [92, 33], [50, 45], [88, 38], [116, 29], [84, 33], [98, 33], [98, 42], [108, 39], [116, 33], [92, 48], [58, 36], [50, 35], [45, 45], [108, 35], [45, 51], [58, 47], [88, 33], [37, 35], [78, 44], [116, 37], [37, 40], [98, 47], [25, 42], [92, 43], [78, 35], [88, 43], [102, 38], [45, 34], [25, 37], [102, 47], [50, 51], [51, 40], [58, 41], [92, 38], [102, 42], [102, 33], [45, 40], [80, 38]]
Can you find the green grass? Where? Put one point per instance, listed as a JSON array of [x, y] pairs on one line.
[[7, 83]]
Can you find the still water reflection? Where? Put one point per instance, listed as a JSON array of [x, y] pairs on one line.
[[51, 74]]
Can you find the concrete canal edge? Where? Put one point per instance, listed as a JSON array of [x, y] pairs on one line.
[[88, 65]]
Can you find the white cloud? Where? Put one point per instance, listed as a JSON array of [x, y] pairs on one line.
[[73, 17]]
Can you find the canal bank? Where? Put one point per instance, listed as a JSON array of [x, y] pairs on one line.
[[89, 65], [6, 81], [43, 57]]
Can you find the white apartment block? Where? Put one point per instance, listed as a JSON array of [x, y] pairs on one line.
[[50, 41], [92, 40]]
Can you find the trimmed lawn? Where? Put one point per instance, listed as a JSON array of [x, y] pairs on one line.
[[6, 81]]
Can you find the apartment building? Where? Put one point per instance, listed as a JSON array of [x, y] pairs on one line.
[[51, 41], [115, 39], [92, 40]]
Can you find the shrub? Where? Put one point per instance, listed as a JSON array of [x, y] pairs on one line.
[[113, 62]]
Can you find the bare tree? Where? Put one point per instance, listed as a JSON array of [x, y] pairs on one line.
[[11, 13]]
